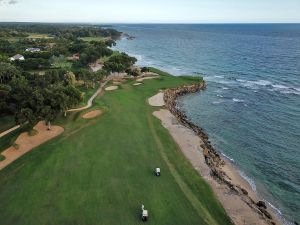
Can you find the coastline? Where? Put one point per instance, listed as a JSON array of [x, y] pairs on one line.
[[241, 203]]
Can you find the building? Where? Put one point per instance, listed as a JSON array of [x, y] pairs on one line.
[[33, 50], [17, 57]]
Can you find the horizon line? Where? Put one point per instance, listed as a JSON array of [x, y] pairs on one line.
[[146, 23]]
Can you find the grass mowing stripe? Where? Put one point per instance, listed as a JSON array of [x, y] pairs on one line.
[[183, 186]]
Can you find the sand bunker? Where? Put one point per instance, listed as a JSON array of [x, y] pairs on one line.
[[157, 100], [137, 84], [92, 114], [26, 143], [146, 78], [111, 88]]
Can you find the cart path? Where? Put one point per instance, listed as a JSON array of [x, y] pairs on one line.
[[89, 105], [9, 130], [90, 101]]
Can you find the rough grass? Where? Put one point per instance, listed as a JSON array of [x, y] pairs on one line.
[[38, 36], [6, 122], [100, 171], [89, 39]]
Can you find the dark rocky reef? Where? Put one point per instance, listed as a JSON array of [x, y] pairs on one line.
[[212, 157]]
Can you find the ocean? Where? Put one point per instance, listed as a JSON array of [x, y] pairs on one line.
[[251, 107]]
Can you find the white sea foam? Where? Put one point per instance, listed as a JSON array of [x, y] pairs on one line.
[[294, 92], [249, 180], [261, 82], [238, 100], [225, 88], [220, 96], [268, 85], [227, 157], [216, 102], [274, 208], [279, 86], [217, 76]]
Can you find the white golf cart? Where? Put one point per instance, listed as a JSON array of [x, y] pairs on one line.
[[145, 214]]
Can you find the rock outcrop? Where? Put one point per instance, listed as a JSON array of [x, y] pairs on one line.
[[212, 157]]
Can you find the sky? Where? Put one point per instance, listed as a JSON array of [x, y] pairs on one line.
[[151, 11]]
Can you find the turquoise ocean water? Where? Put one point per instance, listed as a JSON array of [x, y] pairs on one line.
[[251, 108]]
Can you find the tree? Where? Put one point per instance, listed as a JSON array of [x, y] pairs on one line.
[[119, 62], [7, 72], [70, 78], [145, 69]]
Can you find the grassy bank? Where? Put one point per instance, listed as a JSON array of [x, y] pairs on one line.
[[100, 171]]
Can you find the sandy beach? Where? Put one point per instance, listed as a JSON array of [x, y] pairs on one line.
[[238, 206]]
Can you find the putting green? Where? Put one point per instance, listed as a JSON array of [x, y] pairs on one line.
[[100, 171]]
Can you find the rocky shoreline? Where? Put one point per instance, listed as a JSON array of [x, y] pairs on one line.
[[212, 157]]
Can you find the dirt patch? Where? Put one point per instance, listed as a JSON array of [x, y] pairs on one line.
[[137, 84], [92, 114], [111, 88], [157, 100], [26, 143]]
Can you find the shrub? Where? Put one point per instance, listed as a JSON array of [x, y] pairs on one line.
[[32, 132], [2, 157]]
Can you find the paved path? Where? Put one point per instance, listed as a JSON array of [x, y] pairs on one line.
[[90, 101], [89, 104], [9, 130]]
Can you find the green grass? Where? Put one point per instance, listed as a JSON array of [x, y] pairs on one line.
[[89, 39], [2, 157], [100, 171], [61, 62], [38, 36]]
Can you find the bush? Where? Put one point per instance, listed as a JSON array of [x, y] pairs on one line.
[[32, 132], [16, 146], [2, 157], [145, 69]]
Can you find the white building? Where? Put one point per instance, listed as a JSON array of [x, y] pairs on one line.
[[33, 50], [17, 57]]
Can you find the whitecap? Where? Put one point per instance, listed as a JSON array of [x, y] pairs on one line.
[[237, 100], [225, 88], [217, 102], [220, 96], [262, 82], [217, 76], [290, 92], [279, 86]]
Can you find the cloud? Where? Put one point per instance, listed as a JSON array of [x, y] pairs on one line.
[[12, 2], [8, 2]]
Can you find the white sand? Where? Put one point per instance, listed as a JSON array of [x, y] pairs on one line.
[[137, 84], [189, 143], [146, 78], [157, 100], [92, 114], [111, 88]]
